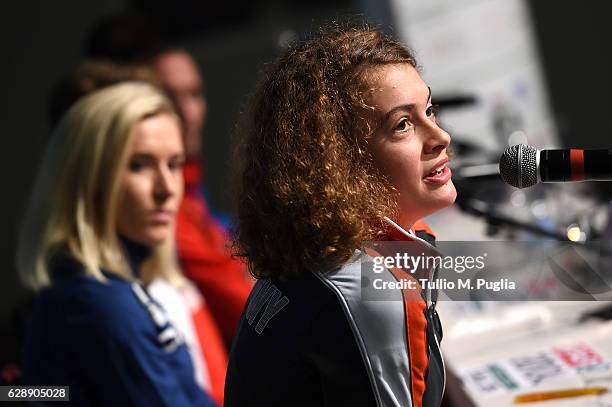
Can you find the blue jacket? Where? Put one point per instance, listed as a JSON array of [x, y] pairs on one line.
[[109, 342]]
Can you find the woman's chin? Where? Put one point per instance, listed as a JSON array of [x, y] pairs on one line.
[[154, 238], [157, 241], [443, 197], [452, 193]]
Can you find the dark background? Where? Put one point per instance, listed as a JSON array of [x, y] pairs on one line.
[[43, 40]]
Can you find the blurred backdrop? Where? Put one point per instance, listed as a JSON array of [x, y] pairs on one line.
[[503, 70]]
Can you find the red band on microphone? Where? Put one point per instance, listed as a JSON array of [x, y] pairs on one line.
[[577, 164]]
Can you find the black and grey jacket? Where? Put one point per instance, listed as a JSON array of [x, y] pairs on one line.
[[314, 341]]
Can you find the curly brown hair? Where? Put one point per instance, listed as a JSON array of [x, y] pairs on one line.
[[308, 191]]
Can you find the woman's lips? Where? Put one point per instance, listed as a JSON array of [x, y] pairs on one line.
[[439, 179], [162, 216]]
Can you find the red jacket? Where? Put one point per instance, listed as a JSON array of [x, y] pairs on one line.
[[203, 249], [204, 254]]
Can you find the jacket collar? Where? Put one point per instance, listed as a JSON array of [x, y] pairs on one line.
[[423, 234], [396, 232], [420, 231]]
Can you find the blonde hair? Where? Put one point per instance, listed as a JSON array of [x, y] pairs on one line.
[[72, 207]]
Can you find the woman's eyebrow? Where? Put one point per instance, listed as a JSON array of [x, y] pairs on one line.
[[406, 107], [145, 156]]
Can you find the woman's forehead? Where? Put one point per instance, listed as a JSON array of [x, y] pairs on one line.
[[157, 133], [396, 84]]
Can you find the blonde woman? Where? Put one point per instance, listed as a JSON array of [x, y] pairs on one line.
[[104, 202]]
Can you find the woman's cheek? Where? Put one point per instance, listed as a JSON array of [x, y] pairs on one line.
[[406, 173], [140, 188]]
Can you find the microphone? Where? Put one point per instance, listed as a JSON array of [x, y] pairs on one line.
[[523, 166]]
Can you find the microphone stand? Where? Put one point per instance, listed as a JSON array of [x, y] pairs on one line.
[[494, 218], [464, 176]]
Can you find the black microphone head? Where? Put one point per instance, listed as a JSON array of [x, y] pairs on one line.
[[518, 166]]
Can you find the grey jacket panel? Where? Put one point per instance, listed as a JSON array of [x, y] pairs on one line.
[[380, 331]]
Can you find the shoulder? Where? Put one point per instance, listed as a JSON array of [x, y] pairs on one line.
[[86, 301], [114, 297], [347, 287], [348, 280], [352, 286], [81, 313]]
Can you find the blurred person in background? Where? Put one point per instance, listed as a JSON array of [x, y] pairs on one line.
[[186, 307], [339, 146], [103, 205], [91, 75], [202, 240]]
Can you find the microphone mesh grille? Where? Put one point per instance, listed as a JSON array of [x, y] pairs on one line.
[[518, 167], [529, 173], [508, 166]]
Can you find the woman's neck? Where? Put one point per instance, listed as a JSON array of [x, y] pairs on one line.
[[136, 253], [406, 222]]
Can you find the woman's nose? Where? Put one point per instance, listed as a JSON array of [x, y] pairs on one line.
[[438, 139], [165, 184]]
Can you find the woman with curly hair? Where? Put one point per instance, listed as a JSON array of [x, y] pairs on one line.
[[339, 146]]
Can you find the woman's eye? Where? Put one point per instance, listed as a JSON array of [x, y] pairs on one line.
[[403, 125], [176, 164], [136, 166], [432, 111]]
